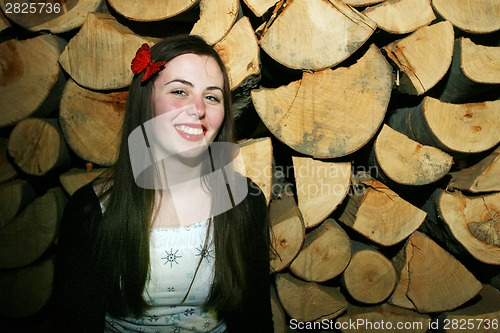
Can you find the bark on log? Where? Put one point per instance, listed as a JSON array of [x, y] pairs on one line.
[[7, 170], [370, 319], [258, 159], [4, 23], [430, 279], [99, 55], [21, 73], [392, 16], [324, 255], [404, 161], [31, 233], [75, 178], [315, 34], [54, 16], [25, 291], [216, 19], [91, 122], [37, 146], [155, 10], [370, 277], [321, 187], [279, 318], [454, 128], [480, 317], [423, 58], [260, 7], [318, 115], [474, 16], [287, 231], [15, 196], [309, 301], [379, 214], [362, 3], [466, 224]]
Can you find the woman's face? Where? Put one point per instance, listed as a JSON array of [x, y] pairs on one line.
[[189, 105]]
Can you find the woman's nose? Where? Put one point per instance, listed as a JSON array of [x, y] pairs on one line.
[[199, 109]]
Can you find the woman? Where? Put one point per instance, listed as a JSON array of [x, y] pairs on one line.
[[154, 246]]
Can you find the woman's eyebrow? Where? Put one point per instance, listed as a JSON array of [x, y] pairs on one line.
[[180, 81]]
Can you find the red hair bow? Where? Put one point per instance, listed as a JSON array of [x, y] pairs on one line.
[[142, 60]]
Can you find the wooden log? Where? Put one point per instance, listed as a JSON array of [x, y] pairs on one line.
[[370, 277], [392, 16], [430, 279], [260, 7], [318, 114], [308, 301], [54, 16], [321, 187], [31, 233], [99, 55], [422, 58], [25, 291], [480, 63], [474, 16], [37, 146], [4, 23], [279, 318], [404, 161], [7, 170], [378, 213], [75, 178], [287, 231], [21, 72], [324, 255], [91, 122], [362, 3], [383, 317], [14, 195], [484, 176], [156, 10], [216, 19], [457, 129], [480, 317], [315, 34], [466, 224]]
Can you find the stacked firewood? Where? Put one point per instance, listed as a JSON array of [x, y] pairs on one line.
[[371, 126]]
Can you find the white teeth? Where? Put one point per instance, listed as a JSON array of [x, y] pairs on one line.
[[190, 130]]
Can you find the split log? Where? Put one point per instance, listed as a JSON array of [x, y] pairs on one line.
[[324, 255], [318, 114], [7, 170], [92, 122], [25, 291], [240, 53], [466, 224], [404, 161], [15, 196], [430, 279], [480, 63], [315, 34], [480, 317], [370, 319], [378, 213], [309, 301], [392, 16], [54, 16], [279, 318], [156, 10], [423, 58], [216, 19], [321, 187], [474, 16], [287, 231], [37, 146], [31, 233], [75, 178], [483, 176], [260, 7], [21, 73], [258, 159], [99, 55], [370, 277]]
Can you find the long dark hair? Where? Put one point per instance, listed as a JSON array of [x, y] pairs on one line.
[[122, 247]]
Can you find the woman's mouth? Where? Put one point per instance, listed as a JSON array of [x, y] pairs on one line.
[[191, 132]]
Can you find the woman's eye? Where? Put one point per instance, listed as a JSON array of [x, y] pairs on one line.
[[178, 92], [213, 98]]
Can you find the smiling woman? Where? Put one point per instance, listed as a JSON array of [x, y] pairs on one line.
[[186, 250]]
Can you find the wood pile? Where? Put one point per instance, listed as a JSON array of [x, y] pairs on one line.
[[372, 127]]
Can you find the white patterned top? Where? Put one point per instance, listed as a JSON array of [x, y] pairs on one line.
[[174, 257]]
